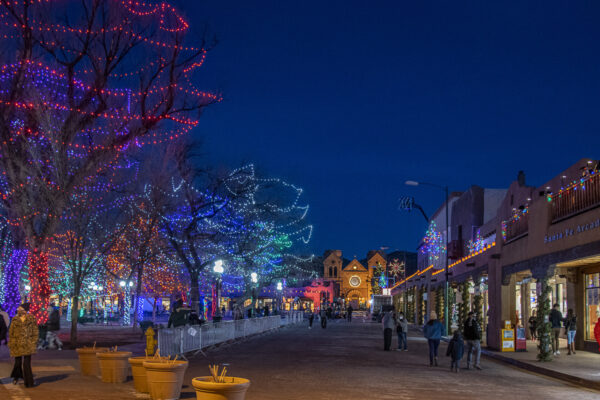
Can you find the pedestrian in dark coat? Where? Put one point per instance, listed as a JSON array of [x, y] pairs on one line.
[[323, 319], [4, 322], [53, 327], [349, 313], [311, 318], [455, 350], [23, 337]]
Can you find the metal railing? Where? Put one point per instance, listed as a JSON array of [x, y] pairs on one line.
[[517, 226], [185, 339], [576, 198]]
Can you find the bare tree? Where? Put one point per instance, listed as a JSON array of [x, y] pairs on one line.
[[82, 82]]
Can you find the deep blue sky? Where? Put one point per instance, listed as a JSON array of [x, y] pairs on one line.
[[348, 99]]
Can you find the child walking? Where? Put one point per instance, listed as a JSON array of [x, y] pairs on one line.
[[455, 350]]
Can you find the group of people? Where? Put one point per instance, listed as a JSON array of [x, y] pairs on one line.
[[394, 322], [557, 323], [468, 336]]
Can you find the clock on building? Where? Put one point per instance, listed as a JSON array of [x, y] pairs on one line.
[[354, 281]]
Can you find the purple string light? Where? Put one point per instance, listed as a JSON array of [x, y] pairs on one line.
[[12, 296]]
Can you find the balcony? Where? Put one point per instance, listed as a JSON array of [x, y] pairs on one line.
[[576, 198], [516, 226]]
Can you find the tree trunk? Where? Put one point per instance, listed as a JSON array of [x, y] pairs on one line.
[[12, 275], [195, 292], [40, 287], [74, 317]]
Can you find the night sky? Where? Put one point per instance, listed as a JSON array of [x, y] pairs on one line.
[[348, 99]]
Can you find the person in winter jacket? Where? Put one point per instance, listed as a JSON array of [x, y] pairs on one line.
[[23, 337], [571, 330], [433, 332], [389, 324], [401, 331], [455, 350], [472, 331], [556, 320]]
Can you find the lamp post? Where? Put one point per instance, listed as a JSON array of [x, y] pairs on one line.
[[279, 294], [218, 269], [127, 301], [445, 189]]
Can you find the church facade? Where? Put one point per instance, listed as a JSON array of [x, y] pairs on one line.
[[353, 277]]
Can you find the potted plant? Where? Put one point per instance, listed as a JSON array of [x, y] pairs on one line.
[[165, 378], [218, 386], [88, 361], [114, 366]]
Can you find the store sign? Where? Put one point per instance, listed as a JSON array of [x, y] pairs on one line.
[[572, 231]]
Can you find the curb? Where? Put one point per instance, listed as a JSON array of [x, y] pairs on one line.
[[572, 379]]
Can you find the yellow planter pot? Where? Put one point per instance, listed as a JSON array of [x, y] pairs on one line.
[[114, 366], [88, 362], [165, 378], [232, 389], [138, 372]]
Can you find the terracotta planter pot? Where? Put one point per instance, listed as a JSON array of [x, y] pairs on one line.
[[165, 378], [114, 366], [88, 362], [232, 389], [138, 372]]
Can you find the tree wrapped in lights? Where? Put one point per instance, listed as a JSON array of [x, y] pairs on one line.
[[433, 244], [247, 221], [74, 98]]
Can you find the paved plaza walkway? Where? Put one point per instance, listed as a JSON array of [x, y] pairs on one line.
[[344, 361]]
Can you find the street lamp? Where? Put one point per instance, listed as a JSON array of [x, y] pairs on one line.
[[279, 295], [445, 189], [218, 269], [254, 277], [127, 313]]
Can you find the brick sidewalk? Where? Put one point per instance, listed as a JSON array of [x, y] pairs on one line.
[[581, 369]]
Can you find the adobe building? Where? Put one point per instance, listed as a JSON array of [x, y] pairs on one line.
[[537, 236]]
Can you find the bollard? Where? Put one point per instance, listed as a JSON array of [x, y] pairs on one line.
[[150, 342]]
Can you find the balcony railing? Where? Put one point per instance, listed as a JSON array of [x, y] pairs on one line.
[[516, 226], [578, 197]]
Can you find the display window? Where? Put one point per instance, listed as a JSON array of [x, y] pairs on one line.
[[592, 303]]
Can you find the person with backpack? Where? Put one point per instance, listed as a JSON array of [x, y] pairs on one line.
[[571, 330], [472, 331], [455, 350], [401, 331]]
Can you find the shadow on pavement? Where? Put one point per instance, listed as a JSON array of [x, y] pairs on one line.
[[51, 378]]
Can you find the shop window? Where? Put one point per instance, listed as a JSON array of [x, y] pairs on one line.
[[592, 303]]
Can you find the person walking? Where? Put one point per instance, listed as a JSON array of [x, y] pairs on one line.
[[533, 326], [472, 331], [349, 313], [433, 332], [311, 318], [571, 330], [455, 350], [23, 336], [4, 323], [401, 331], [556, 319], [53, 327], [323, 318], [388, 325]]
